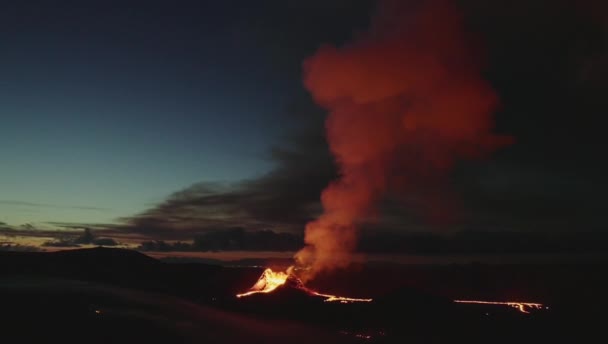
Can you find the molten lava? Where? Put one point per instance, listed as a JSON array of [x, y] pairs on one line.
[[523, 307], [271, 280], [268, 282]]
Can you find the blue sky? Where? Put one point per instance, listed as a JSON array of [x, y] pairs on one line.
[[119, 123], [116, 106]]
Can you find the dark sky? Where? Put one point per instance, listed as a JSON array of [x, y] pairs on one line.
[[166, 120]]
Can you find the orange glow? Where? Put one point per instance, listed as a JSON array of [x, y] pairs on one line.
[[271, 280], [268, 282], [523, 307], [341, 299], [405, 101]]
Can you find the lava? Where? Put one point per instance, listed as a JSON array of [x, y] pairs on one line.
[[268, 282], [523, 307], [271, 280]]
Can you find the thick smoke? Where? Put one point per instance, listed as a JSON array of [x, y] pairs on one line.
[[405, 101]]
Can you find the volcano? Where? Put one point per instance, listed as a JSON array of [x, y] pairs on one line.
[[270, 281]]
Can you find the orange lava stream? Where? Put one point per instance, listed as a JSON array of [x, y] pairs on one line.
[[271, 280], [268, 282], [341, 299], [521, 306]]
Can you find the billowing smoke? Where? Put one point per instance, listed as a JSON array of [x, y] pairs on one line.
[[405, 101]]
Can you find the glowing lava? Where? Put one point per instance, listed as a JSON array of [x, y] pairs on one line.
[[523, 307], [271, 280], [268, 282]]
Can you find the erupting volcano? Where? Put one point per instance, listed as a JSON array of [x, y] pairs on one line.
[[271, 280], [405, 101]]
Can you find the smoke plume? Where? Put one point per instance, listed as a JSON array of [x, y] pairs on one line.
[[405, 101]]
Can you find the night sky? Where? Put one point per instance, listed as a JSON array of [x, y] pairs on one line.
[[159, 120]]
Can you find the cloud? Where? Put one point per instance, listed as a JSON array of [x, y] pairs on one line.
[[82, 225], [44, 205], [12, 247], [232, 239], [386, 242], [105, 242], [87, 237], [60, 243], [483, 243], [281, 200], [35, 230], [66, 243]]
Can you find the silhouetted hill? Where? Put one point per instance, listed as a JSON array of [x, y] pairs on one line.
[[126, 268], [114, 266], [107, 255], [98, 257]]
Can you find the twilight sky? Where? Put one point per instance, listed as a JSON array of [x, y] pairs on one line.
[[109, 107], [157, 120]]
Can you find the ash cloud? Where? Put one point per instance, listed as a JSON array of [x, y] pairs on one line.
[[281, 200], [406, 101], [550, 73]]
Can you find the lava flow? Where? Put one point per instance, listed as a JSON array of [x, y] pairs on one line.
[[523, 307], [271, 280]]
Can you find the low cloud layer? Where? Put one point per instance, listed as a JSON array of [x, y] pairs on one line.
[[44, 205], [418, 244]]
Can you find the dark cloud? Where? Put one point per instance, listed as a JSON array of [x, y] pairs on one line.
[[86, 237], [82, 225], [419, 244], [12, 247], [483, 243], [506, 195], [27, 227], [68, 243], [281, 200], [105, 242], [28, 231], [538, 68], [64, 232], [549, 71], [64, 243]]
